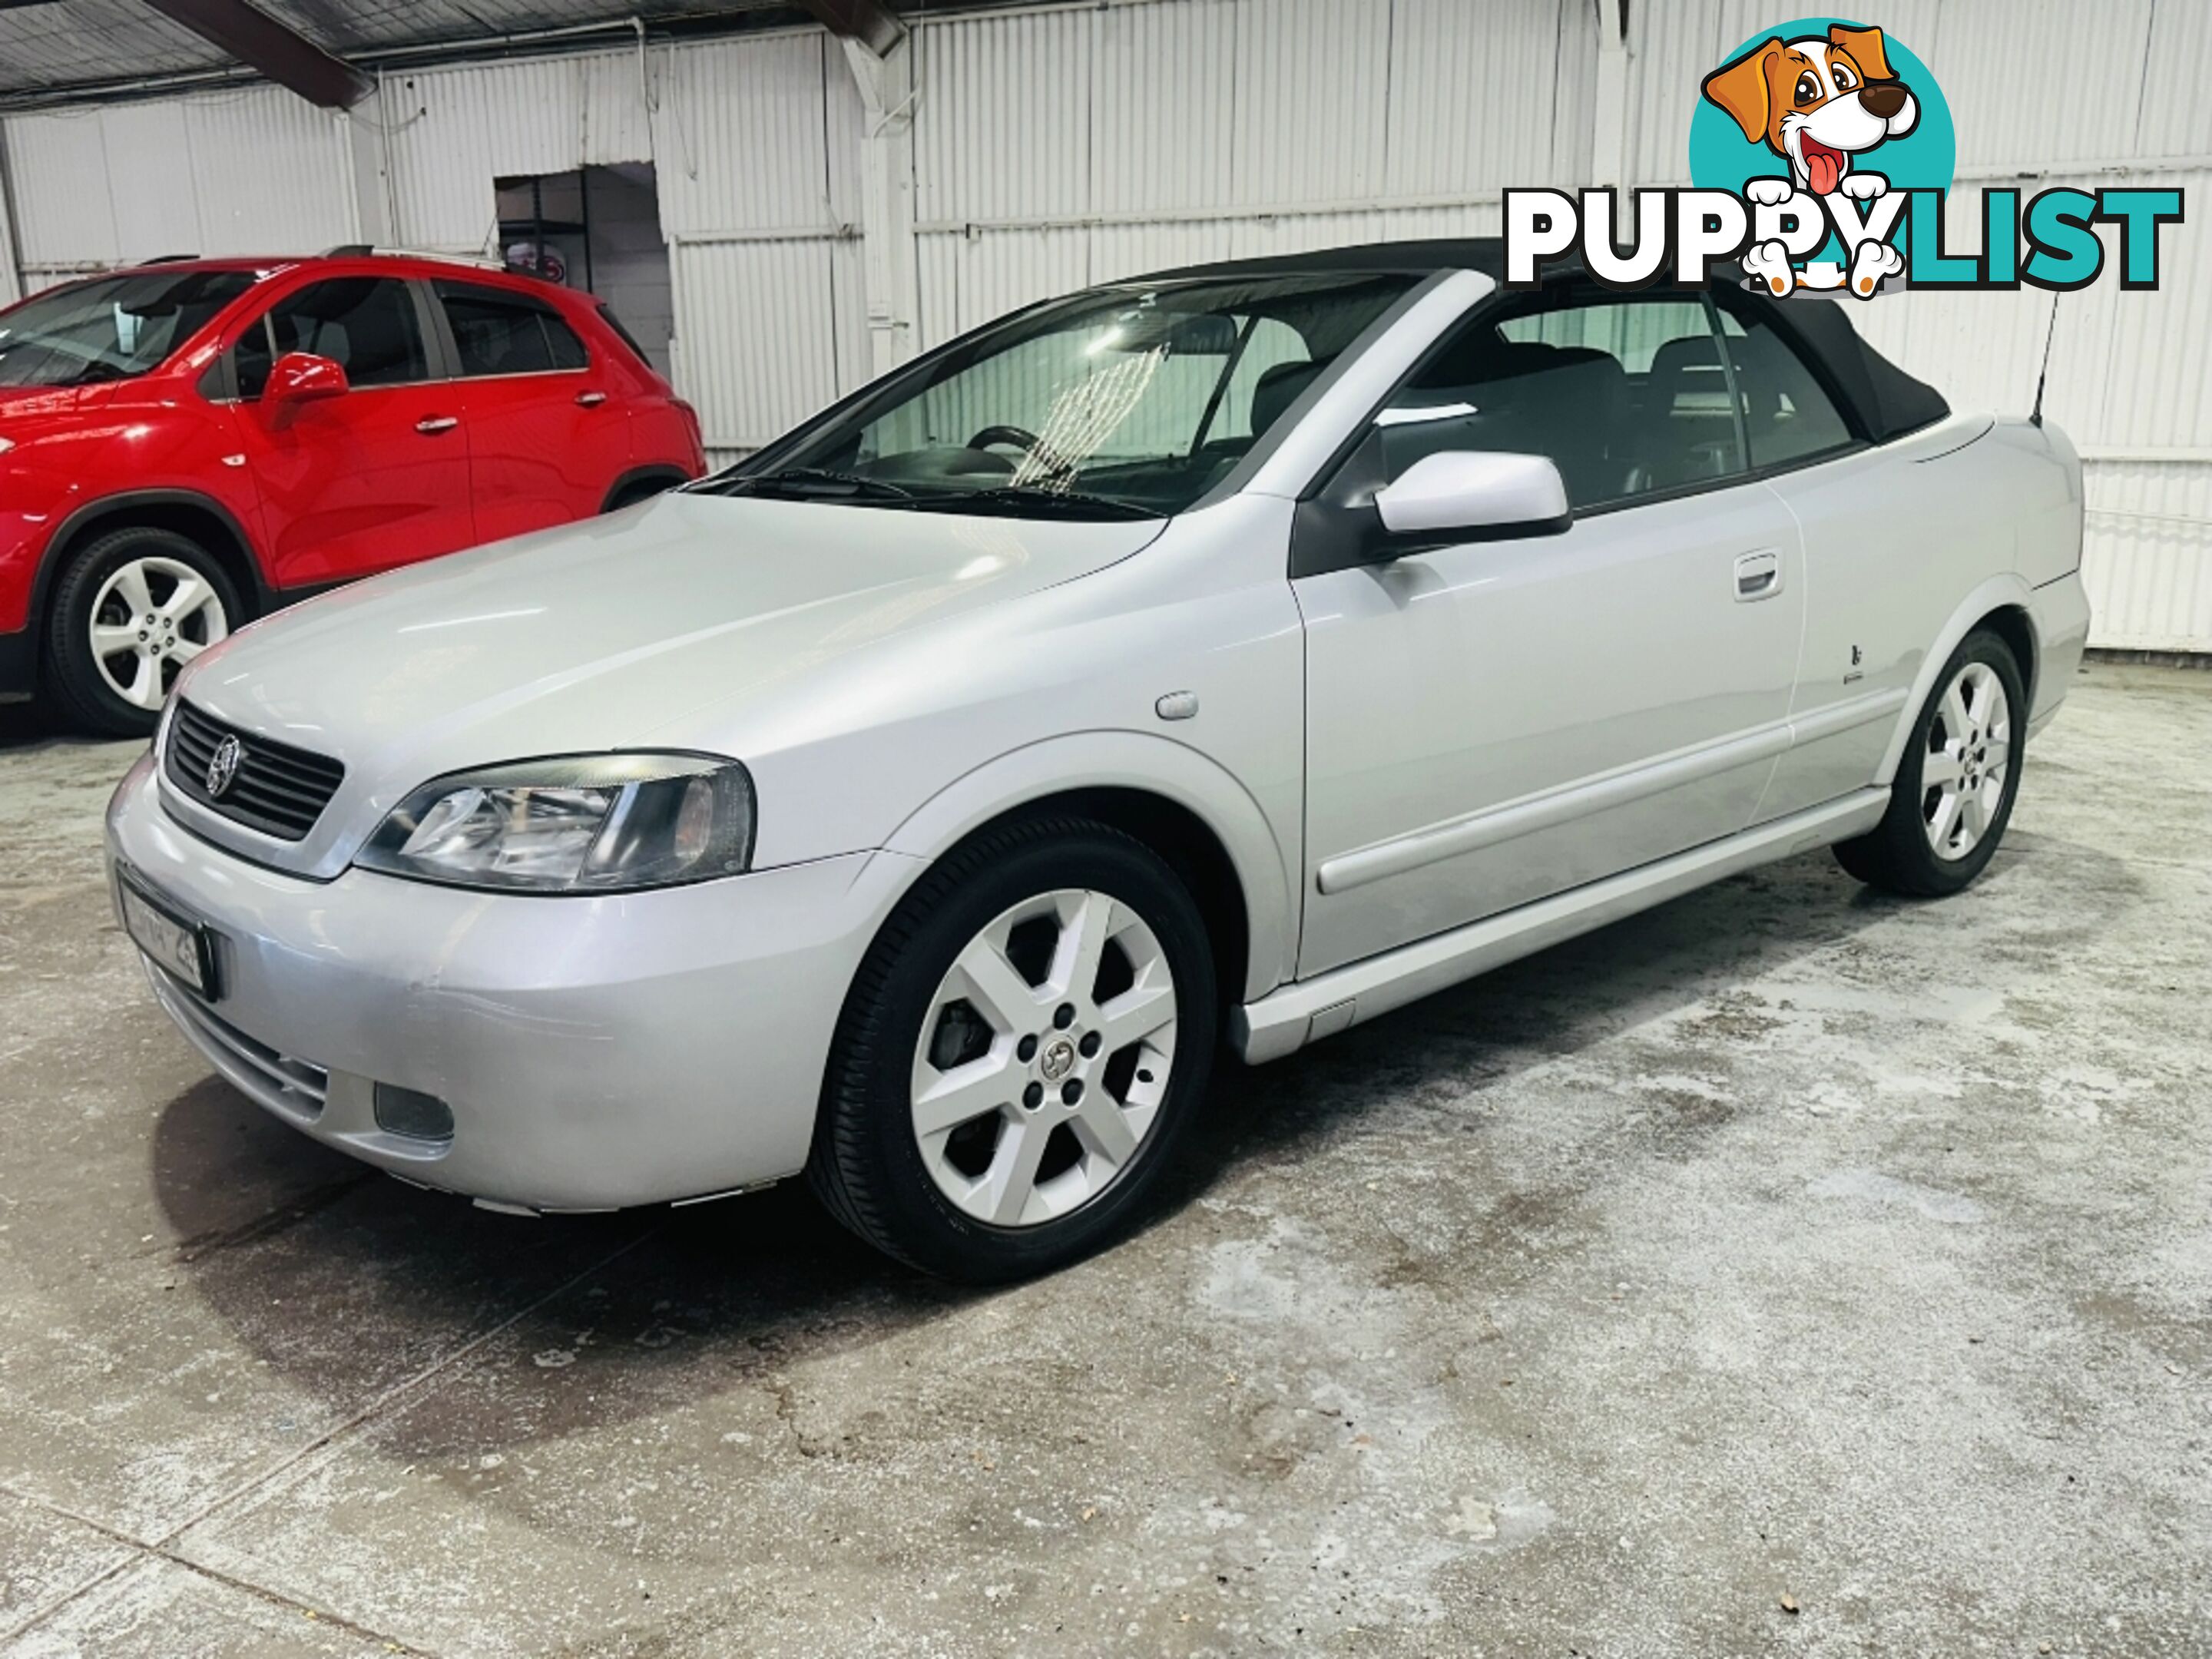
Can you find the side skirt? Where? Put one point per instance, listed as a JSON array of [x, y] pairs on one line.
[[1286, 1020]]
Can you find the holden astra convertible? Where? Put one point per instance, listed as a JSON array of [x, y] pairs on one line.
[[1225, 657]]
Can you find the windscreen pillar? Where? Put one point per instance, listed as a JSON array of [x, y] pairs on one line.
[[886, 80]]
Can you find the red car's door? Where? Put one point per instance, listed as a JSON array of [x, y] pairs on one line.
[[548, 431], [376, 477]]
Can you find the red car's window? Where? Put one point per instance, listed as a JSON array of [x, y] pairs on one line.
[[620, 332], [365, 325], [502, 333]]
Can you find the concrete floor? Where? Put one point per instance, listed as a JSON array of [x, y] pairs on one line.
[[1791, 1270]]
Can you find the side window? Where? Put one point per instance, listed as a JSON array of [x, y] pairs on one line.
[[365, 325], [1627, 396], [502, 333], [1787, 417]]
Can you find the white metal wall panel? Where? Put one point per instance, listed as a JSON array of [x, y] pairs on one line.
[[65, 215], [271, 174], [449, 132], [739, 136], [1162, 136], [1312, 88], [2046, 84], [2149, 561], [2159, 389], [248, 170], [617, 126], [2174, 117], [756, 346], [1002, 117], [1472, 110], [151, 188]]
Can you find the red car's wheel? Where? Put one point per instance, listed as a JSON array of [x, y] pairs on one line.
[[133, 607]]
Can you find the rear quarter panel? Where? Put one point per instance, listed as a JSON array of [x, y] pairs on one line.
[[662, 433], [1907, 547]]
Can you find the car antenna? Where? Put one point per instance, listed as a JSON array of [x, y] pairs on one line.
[[2050, 331]]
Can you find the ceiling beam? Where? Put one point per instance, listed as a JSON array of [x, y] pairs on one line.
[[873, 24], [275, 49]]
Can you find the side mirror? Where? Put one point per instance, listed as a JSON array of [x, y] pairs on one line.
[[300, 377], [1478, 495]]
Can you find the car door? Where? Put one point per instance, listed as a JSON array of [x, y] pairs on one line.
[[1875, 587], [376, 477], [547, 437], [1492, 722]]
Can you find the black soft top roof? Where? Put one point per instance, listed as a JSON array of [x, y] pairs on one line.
[[1887, 401]]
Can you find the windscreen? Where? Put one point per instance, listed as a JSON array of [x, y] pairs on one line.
[[1119, 402], [111, 329]]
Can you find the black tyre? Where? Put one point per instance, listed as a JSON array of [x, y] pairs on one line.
[[131, 609], [1955, 786], [1025, 1045]]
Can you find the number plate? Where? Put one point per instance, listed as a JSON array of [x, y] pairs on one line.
[[182, 950]]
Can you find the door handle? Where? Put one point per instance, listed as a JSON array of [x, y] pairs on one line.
[[590, 400], [431, 425], [1758, 576]]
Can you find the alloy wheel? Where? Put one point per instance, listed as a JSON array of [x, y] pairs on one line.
[[1044, 1058], [1962, 776], [150, 617]]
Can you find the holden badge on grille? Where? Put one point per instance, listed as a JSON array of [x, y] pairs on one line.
[[222, 766]]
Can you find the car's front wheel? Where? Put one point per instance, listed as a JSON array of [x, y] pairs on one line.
[[1027, 1040], [131, 609], [1955, 784]]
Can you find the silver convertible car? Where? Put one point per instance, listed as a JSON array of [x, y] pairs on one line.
[[1220, 659]]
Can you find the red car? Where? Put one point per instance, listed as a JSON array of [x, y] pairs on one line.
[[185, 445]]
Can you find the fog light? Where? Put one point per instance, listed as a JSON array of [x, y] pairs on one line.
[[412, 1113]]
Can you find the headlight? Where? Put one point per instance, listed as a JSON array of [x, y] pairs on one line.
[[579, 824]]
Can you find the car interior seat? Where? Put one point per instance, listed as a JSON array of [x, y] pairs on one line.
[[1277, 387], [1686, 428]]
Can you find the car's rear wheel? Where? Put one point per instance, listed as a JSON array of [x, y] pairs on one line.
[[131, 609], [1954, 788], [1027, 1040]]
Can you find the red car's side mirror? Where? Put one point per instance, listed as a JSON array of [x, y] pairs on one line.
[[300, 377]]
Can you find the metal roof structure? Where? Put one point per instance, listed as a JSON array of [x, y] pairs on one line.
[[66, 51]]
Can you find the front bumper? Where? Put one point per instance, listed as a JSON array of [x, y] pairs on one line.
[[597, 1052]]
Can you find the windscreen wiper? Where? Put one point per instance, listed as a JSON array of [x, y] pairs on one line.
[[1037, 500], [814, 483]]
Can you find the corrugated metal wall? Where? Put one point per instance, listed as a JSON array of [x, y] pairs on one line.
[[252, 169], [753, 145], [1078, 144], [1058, 145]]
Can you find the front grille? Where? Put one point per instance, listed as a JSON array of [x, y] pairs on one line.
[[277, 789]]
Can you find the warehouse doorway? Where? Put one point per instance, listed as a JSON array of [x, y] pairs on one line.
[[596, 229]]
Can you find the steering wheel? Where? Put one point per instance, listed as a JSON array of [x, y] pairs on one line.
[[1017, 436]]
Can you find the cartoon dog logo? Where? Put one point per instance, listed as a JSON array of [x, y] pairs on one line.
[[1818, 102]]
